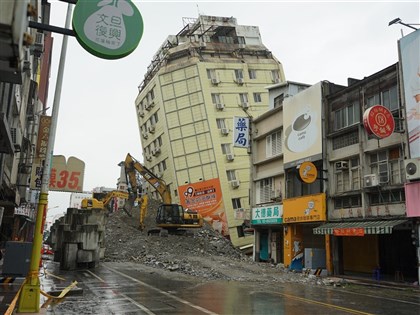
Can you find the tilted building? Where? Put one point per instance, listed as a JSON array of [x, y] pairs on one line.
[[211, 71]]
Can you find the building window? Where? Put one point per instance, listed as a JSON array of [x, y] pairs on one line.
[[252, 74], [225, 39], [390, 98], [278, 100], [211, 74], [347, 202], [239, 74], [241, 40], [226, 148], [386, 197], [345, 140], [389, 165], [257, 97], [275, 76], [274, 144], [243, 98], [150, 97], [231, 175], [236, 203], [221, 123], [347, 116], [265, 190], [154, 118], [216, 99], [373, 100], [347, 175]]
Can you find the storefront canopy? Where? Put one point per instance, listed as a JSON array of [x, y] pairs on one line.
[[369, 227]]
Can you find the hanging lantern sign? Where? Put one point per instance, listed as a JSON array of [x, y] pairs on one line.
[[378, 121]]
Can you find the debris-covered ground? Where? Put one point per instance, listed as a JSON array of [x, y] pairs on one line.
[[203, 252]]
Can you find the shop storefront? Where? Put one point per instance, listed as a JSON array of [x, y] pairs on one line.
[[302, 249], [377, 248], [267, 222]]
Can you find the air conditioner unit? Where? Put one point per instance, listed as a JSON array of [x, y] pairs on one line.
[[341, 165], [220, 106], [148, 157], [240, 80], [230, 157], [203, 45], [224, 131], [152, 103], [371, 180], [215, 81], [16, 138], [27, 67], [39, 44], [141, 114], [152, 129], [245, 105], [235, 183], [157, 150], [241, 46], [145, 135], [412, 169]]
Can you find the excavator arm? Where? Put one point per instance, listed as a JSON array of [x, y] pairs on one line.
[[132, 166], [169, 216]]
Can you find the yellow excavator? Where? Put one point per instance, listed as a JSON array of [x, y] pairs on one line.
[[169, 216], [101, 200]]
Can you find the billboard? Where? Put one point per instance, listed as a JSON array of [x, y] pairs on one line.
[[64, 176], [409, 52], [302, 125], [305, 209], [206, 198]]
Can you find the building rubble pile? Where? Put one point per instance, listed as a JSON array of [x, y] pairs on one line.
[[203, 252]]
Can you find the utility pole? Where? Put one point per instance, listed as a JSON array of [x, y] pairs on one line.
[[29, 298]]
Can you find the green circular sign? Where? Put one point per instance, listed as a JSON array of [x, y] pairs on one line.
[[109, 29]]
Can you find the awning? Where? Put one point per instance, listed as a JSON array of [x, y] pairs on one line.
[[369, 227]]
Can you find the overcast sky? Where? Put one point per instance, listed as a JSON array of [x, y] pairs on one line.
[[314, 41]]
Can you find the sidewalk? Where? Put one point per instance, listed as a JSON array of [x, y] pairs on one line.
[[50, 283]]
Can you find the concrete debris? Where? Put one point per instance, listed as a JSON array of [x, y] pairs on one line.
[[202, 253]]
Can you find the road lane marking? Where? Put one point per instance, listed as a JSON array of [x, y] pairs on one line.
[[345, 309], [95, 276], [140, 306], [162, 292], [381, 297]]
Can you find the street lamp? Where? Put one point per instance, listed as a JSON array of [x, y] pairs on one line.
[[398, 20]]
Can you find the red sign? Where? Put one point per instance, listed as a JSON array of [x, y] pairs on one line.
[[378, 121], [349, 232]]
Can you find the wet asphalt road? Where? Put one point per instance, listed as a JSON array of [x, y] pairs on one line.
[[118, 288]]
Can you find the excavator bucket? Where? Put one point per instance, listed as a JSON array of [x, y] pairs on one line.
[[129, 204]]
